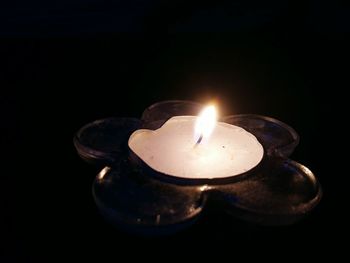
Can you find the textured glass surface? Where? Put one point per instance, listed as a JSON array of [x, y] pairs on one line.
[[131, 199]]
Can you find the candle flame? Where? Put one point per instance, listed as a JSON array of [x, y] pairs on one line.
[[103, 173], [205, 123]]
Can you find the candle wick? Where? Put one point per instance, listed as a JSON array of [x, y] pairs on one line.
[[199, 139]]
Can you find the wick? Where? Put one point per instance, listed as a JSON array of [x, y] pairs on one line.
[[199, 139]]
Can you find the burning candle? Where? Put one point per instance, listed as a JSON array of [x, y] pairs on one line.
[[197, 147]]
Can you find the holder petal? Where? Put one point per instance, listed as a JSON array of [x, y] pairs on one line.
[[278, 196], [278, 138], [136, 203], [105, 141], [164, 110]]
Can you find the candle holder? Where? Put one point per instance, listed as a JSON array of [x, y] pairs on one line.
[[134, 197]]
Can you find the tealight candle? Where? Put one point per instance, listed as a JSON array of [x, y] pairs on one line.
[[197, 147]]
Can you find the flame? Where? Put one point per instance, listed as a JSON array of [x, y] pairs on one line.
[[205, 122], [103, 173]]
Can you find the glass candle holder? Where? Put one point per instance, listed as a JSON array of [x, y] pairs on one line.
[[136, 198]]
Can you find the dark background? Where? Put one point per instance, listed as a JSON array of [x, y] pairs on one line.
[[66, 63]]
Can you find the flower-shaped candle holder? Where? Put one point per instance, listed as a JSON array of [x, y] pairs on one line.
[[132, 196]]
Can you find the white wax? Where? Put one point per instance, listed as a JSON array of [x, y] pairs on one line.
[[230, 150]]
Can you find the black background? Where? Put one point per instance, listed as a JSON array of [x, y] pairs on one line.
[[68, 63]]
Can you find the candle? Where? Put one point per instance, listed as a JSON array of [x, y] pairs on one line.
[[197, 147]]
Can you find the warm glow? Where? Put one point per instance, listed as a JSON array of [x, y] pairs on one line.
[[206, 122]]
